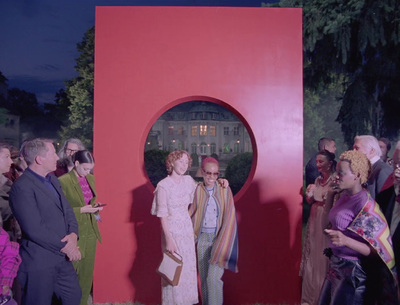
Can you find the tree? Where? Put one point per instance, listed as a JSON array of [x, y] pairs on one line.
[[238, 170], [360, 40], [154, 162], [79, 94]]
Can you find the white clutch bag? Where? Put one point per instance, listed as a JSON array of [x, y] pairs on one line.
[[171, 267]]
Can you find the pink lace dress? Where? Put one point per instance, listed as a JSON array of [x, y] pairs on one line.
[[180, 225], [314, 264]]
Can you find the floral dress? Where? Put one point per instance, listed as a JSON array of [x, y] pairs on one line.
[[179, 196]]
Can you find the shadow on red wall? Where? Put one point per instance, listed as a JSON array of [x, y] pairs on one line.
[[262, 267], [146, 282]]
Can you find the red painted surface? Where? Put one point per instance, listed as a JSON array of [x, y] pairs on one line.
[[149, 59]]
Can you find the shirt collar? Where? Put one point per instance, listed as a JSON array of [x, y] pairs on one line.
[[41, 178], [374, 159]]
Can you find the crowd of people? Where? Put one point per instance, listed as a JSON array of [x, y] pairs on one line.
[[48, 200], [49, 231], [352, 240]]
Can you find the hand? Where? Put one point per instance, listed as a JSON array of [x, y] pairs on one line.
[[74, 255], [5, 290], [71, 249], [89, 209], [223, 182], [310, 190], [337, 237], [171, 246]]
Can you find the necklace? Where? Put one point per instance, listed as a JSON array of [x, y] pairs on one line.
[[326, 182]]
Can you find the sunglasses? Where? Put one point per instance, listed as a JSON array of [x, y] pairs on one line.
[[209, 174]]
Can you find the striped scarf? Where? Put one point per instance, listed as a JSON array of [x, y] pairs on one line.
[[225, 249]]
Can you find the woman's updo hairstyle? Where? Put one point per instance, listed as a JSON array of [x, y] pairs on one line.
[[359, 164], [330, 157], [83, 156]]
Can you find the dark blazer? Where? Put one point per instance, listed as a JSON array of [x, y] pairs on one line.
[[73, 192], [380, 172], [389, 213], [45, 218]]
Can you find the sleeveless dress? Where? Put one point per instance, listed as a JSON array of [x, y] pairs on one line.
[[314, 264], [179, 196]]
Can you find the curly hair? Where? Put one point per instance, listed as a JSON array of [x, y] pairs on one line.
[[176, 155], [359, 164]]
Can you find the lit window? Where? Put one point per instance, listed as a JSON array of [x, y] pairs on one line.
[[170, 130], [213, 131], [194, 131], [203, 130], [180, 130]]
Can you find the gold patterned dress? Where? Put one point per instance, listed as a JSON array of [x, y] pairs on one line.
[[314, 264], [179, 196]]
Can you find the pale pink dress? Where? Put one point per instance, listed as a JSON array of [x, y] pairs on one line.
[[180, 225], [314, 264]]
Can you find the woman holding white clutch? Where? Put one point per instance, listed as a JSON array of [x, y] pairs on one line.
[[171, 201]]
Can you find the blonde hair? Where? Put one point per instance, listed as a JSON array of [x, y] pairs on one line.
[[359, 164], [176, 155]]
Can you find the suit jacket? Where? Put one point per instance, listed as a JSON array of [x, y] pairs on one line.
[[389, 213], [45, 218], [73, 192], [380, 172]]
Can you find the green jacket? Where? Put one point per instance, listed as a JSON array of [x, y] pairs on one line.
[[73, 192]]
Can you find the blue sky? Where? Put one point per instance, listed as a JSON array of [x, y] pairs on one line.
[[39, 37]]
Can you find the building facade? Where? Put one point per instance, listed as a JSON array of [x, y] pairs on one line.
[[201, 128]]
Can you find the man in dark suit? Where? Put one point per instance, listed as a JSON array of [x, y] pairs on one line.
[[393, 205], [381, 171], [49, 230]]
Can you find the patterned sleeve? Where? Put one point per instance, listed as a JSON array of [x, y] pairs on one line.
[[9, 259], [160, 202]]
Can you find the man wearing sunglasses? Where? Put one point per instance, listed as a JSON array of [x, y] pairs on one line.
[[215, 231]]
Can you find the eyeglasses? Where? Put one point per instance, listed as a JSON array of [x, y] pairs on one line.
[[209, 174], [68, 150]]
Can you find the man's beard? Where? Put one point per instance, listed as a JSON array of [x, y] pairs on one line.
[[67, 161]]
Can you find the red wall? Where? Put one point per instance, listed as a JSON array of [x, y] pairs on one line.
[[149, 59]]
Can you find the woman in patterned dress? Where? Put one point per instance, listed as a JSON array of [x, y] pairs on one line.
[[171, 201], [314, 264]]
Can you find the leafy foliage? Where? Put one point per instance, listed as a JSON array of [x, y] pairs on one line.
[[79, 95], [238, 170], [360, 40], [154, 161]]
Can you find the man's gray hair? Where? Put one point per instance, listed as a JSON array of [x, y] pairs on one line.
[[34, 148], [370, 142], [62, 152]]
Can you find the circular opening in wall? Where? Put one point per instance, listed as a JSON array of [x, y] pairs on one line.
[[203, 129]]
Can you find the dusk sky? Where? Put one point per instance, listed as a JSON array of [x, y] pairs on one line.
[[39, 37]]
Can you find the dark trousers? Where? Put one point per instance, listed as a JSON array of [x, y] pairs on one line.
[[345, 283], [39, 285]]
